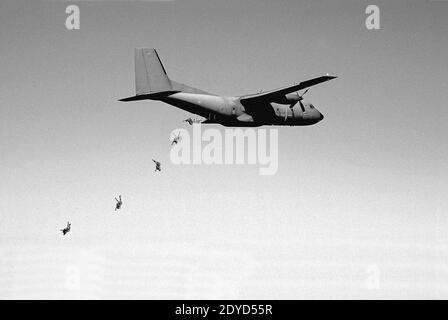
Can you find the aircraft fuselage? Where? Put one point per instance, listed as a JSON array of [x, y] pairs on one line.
[[229, 111]]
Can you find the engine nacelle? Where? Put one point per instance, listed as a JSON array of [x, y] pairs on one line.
[[289, 98], [293, 97]]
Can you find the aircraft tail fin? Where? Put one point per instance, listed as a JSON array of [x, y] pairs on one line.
[[150, 75], [151, 80]]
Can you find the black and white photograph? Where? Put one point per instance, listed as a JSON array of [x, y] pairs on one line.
[[253, 150]]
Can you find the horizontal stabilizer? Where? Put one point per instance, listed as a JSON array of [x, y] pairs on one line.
[[150, 96]]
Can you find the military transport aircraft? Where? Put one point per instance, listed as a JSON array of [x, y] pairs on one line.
[[282, 106]]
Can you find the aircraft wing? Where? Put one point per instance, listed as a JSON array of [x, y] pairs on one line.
[[279, 94]]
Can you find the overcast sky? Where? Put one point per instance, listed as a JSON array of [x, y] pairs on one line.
[[363, 190]]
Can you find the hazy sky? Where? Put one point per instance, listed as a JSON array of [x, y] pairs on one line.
[[365, 187]]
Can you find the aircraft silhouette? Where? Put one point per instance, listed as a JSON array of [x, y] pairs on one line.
[[282, 106]]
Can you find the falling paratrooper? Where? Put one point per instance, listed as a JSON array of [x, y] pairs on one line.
[[66, 229], [158, 165], [176, 139], [119, 203], [190, 121]]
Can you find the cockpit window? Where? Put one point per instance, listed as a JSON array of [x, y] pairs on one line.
[[311, 106]]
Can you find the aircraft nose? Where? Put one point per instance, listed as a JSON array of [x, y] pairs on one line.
[[321, 117]]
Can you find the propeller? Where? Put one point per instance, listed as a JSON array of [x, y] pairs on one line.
[[300, 100], [304, 93]]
